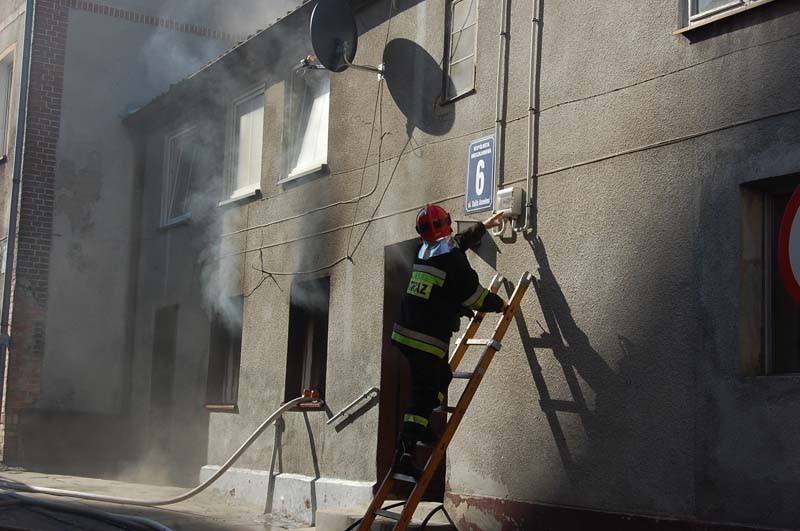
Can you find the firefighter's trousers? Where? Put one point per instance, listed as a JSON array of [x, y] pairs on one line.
[[430, 376]]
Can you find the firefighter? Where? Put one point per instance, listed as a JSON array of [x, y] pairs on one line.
[[442, 288]]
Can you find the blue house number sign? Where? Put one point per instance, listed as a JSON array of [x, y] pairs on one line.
[[480, 175]]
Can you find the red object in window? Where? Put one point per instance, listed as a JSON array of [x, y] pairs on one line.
[[789, 246]]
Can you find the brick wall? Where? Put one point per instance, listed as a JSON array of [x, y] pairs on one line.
[[140, 18], [30, 290], [35, 222]]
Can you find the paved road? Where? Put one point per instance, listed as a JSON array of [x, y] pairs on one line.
[[204, 512]]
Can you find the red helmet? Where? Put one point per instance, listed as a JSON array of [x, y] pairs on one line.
[[433, 222]]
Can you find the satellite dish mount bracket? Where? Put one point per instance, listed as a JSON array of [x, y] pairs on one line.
[[380, 69]]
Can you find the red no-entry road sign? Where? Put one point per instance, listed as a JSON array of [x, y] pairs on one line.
[[789, 246]]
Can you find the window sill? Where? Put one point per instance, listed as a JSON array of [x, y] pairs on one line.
[[309, 170], [319, 405], [240, 196], [714, 18], [177, 222], [230, 408], [453, 99]]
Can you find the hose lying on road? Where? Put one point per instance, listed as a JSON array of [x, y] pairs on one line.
[[122, 521], [22, 487]]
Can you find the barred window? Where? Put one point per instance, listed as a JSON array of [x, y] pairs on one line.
[[462, 31]]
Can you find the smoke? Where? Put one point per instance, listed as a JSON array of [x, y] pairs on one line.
[[175, 59]]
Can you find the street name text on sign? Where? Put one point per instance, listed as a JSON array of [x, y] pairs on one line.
[[480, 175], [789, 246]]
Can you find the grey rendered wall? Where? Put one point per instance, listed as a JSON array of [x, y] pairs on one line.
[[617, 387], [109, 67], [170, 271]]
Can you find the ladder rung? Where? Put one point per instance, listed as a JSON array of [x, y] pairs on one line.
[[388, 514], [461, 374], [403, 477], [486, 343]]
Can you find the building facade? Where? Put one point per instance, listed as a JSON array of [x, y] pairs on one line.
[[88, 64], [652, 368]]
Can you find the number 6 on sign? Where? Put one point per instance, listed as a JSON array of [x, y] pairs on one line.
[[480, 178], [480, 175]]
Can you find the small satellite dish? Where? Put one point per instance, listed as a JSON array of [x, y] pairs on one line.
[[334, 36]]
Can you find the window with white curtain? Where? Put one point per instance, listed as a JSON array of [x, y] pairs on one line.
[[6, 77], [248, 143], [180, 164], [307, 122]]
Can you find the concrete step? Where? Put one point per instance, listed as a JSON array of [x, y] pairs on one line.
[[341, 519]]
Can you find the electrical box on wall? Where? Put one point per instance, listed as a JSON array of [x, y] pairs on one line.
[[510, 202]]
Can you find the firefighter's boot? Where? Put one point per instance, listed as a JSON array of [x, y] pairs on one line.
[[405, 460]]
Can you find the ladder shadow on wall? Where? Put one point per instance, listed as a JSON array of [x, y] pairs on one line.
[[575, 355]]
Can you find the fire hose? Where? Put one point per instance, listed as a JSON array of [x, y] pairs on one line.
[[21, 487]]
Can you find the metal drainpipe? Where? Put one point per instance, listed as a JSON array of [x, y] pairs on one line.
[[531, 114], [5, 339], [498, 115]]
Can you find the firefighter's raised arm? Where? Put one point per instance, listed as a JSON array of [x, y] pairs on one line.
[[493, 221]]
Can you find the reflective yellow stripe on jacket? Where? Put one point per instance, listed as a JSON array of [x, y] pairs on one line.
[[475, 301], [419, 341], [416, 419]]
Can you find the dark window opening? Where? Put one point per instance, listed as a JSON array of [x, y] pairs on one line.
[[782, 326], [162, 368], [308, 338], [769, 320], [225, 355]]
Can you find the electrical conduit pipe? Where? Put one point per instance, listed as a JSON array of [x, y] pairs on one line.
[[498, 102], [169, 501], [533, 143]]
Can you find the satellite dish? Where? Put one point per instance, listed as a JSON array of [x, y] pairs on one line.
[[334, 36]]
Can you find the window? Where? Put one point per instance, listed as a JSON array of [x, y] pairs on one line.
[[308, 337], [701, 9], [462, 29], [248, 143], [307, 122], [180, 164], [224, 359], [6, 77], [771, 318]]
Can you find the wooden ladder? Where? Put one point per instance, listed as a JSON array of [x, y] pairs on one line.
[[490, 346]]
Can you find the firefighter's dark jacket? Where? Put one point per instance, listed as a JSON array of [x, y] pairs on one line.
[[440, 290]]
